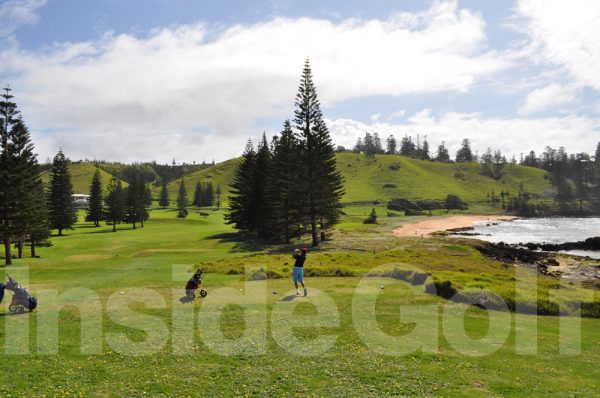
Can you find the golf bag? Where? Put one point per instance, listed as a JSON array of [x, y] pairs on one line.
[[21, 301], [195, 283]]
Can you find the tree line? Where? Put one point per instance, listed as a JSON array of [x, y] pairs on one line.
[[575, 176], [205, 195], [116, 204], [290, 186]]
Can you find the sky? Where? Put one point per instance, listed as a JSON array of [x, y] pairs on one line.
[[193, 80]]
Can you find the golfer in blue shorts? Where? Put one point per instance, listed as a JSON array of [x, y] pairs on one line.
[[298, 273]]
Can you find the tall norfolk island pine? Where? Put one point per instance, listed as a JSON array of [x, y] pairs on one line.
[[322, 183], [60, 202], [115, 201], [182, 201], [95, 212], [22, 209], [164, 195]]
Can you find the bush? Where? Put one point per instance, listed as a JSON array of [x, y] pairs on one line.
[[453, 202], [395, 167], [372, 219], [414, 213], [260, 274], [443, 289], [390, 186], [483, 299]]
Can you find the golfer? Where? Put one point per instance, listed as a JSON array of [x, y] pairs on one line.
[[298, 273]]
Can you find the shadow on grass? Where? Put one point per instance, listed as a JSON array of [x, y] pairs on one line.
[[239, 243], [288, 298]]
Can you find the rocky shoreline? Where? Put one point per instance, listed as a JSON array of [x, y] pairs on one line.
[[547, 259]]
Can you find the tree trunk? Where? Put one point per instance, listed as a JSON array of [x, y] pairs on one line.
[[60, 232], [7, 253], [97, 223], [134, 225], [142, 224], [114, 227], [20, 249], [313, 225], [32, 248]]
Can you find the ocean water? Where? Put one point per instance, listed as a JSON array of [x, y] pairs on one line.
[[541, 230]]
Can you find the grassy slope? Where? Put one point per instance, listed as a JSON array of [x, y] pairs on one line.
[[81, 176], [109, 263], [415, 179], [219, 174]]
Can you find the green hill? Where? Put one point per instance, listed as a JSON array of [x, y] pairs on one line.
[[81, 175], [384, 177], [219, 174]]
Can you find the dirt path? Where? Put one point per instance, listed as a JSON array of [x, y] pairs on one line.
[[429, 226]]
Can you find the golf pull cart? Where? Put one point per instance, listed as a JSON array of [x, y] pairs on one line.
[[193, 285], [21, 301]]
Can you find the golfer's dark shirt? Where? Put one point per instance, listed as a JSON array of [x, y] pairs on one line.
[[300, 259]]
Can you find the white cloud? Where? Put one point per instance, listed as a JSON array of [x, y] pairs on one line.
[[511, 135], [543, 98], [397, 115], [376, 117], [16, 13], [565, 34], [153, 92]]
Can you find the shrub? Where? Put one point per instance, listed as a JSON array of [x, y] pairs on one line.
[[372, 219], [453, 202], [414, 213], [260, 274], [443, 289]]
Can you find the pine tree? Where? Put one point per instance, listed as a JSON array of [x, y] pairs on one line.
[[39, 231], [323, 183], [260, 194], [218, 193], [135, 200], [19, 179], [147, 202], [182, 201], [597, 171], [96, 210], [284, 191], [240, 210], [209, 194], [198, 197], [407, 147], [63, 214], [442, 154], [115, 203], [391, 145], [424, 155], [464, 154], [164, 195]]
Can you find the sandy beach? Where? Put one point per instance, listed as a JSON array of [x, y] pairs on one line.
[[427, 227]]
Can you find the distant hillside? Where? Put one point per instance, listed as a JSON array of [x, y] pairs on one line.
[[384, 177], [81, 174], [219, 174]]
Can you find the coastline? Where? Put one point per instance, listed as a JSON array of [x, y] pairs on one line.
[[430, 226]]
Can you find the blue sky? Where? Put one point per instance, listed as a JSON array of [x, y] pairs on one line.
[[156, 79]]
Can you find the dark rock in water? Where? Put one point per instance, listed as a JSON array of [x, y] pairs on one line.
[[506, 253], [592, 244]]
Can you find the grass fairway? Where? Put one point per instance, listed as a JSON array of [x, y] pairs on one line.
[[190, 362]]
